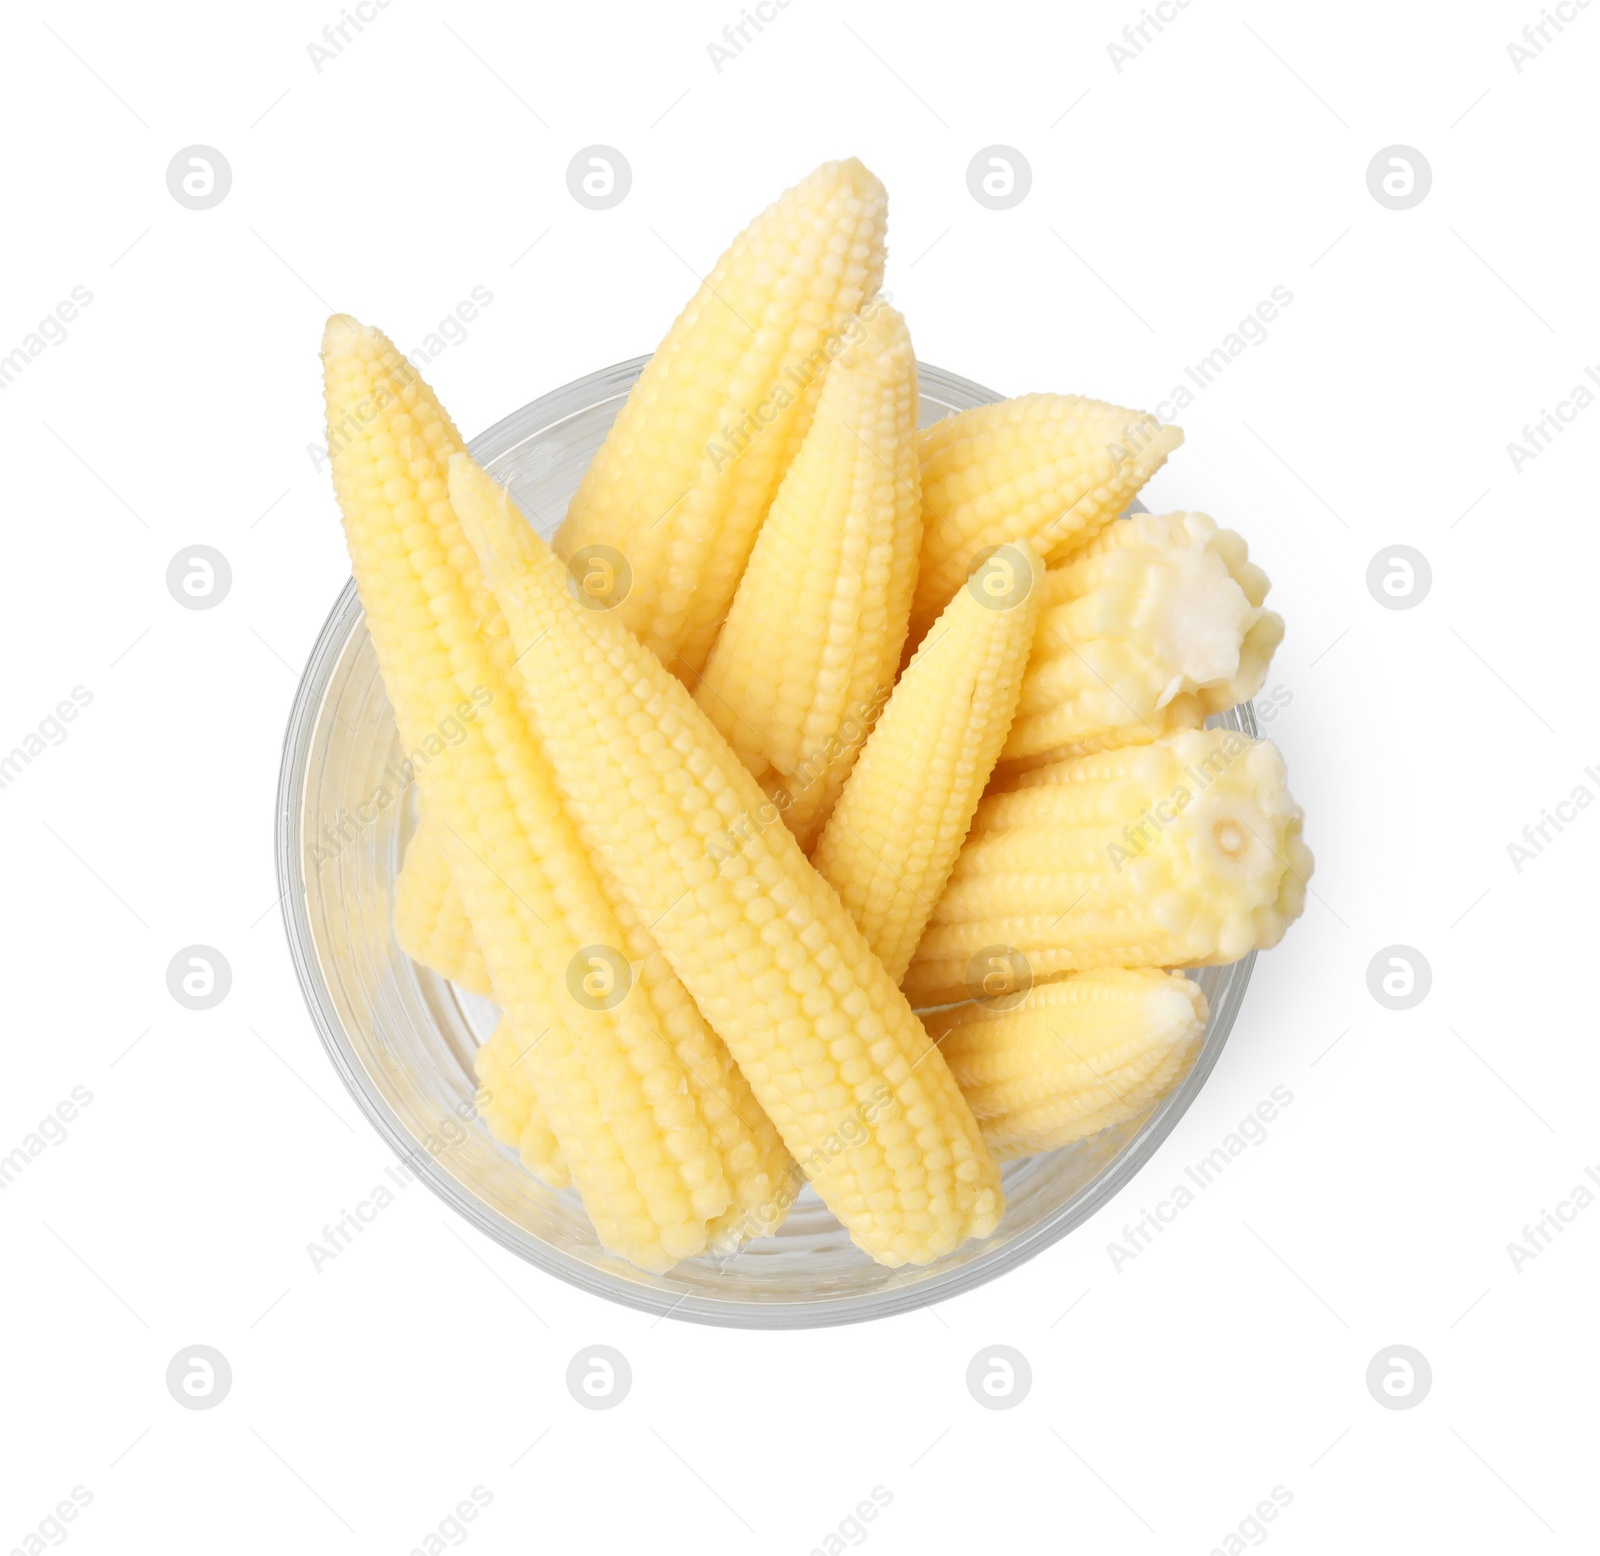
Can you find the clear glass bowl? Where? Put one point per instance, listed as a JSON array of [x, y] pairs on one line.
[[402, 1039]]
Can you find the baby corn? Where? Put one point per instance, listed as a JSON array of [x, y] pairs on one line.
[[686, 475], [441, 937], [834, 1054], [1052, 467], [509, 1105], [813, 637], [1074, 1057], [618, 1096], [430, 924], [894, 835], [439, 929], [1181, 853], [1153, 625]]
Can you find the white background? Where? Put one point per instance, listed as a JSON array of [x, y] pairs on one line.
[[1168, 199]]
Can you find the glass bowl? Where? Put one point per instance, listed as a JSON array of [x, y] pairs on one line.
[[402, 1039]]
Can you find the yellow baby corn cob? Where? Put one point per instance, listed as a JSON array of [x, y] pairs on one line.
[[1153, 625], [620, 1099], [892, 840], [1176, 854], [1052, 467], [760, 940], [1075, 1056], [753, 1154], [430, 924], [509, 1105], [686, 475], [440, 936], [438, 933], [754, 1157], [813, 637]]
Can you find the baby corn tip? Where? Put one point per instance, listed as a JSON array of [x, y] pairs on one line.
[[341, 333]]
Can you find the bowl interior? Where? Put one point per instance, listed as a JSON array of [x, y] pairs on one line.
[[403, 1039]]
